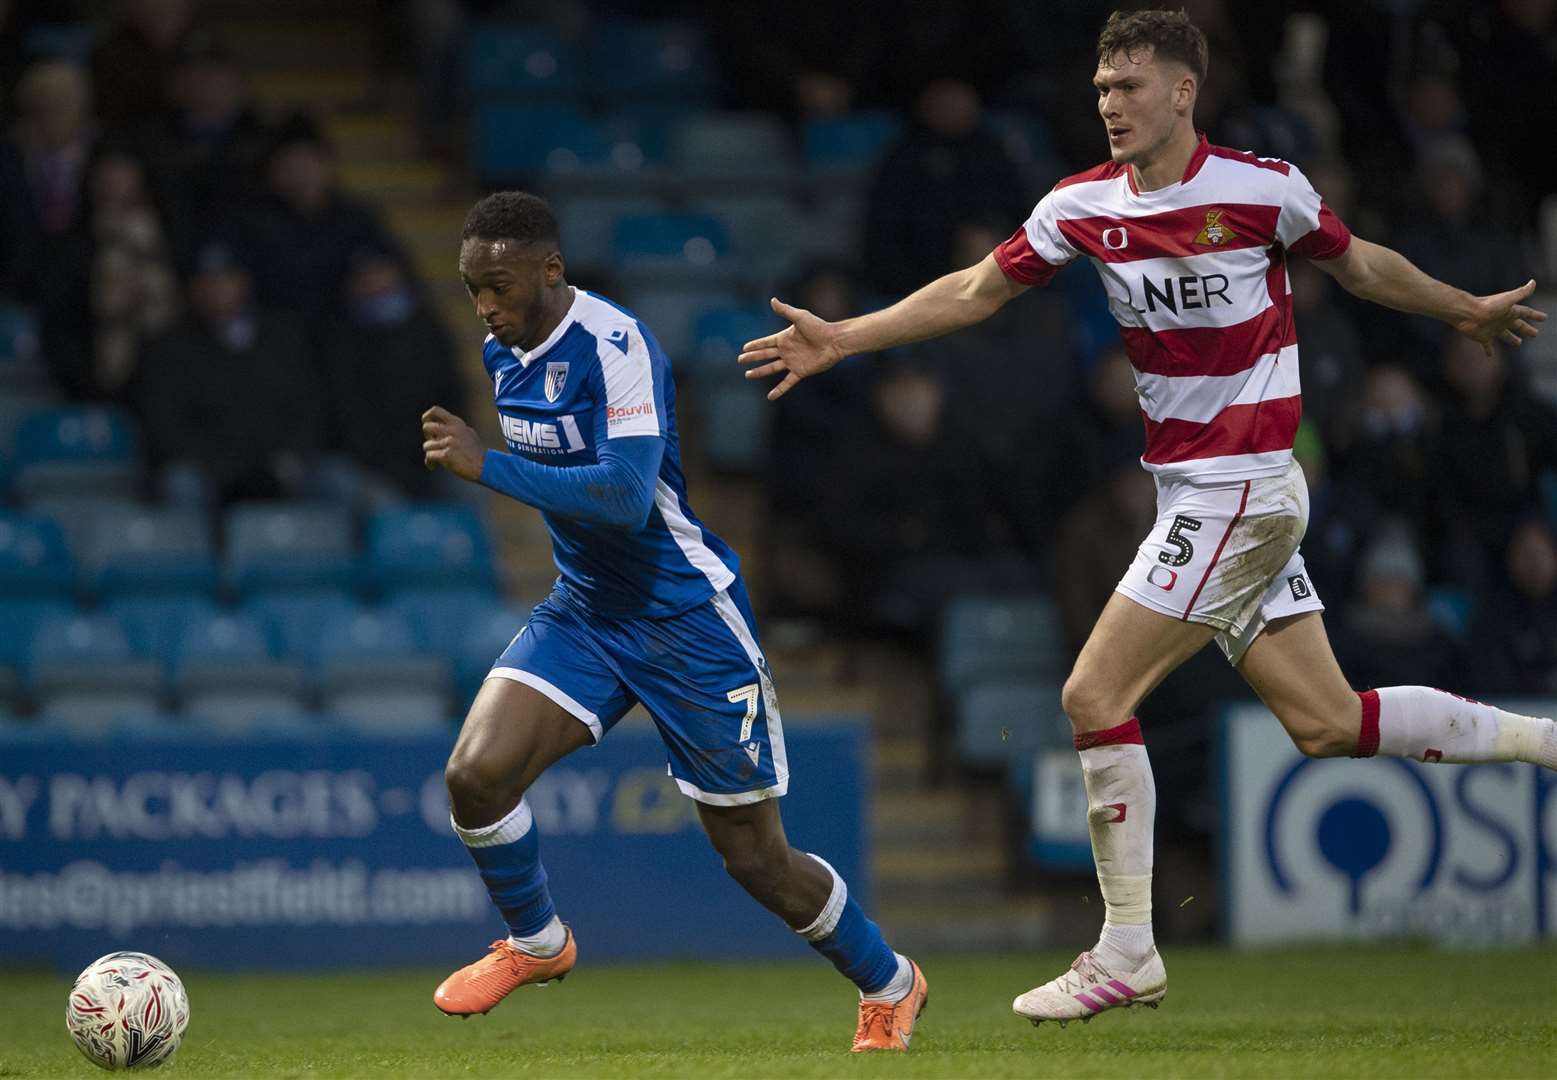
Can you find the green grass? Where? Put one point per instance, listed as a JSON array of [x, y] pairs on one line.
[[1396, 1012]]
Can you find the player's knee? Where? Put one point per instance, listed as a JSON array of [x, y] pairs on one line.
[[1085, 702], [477, 791], [755, 868]]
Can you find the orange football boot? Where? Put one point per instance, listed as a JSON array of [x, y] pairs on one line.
[[477, 987], [886, 1025]]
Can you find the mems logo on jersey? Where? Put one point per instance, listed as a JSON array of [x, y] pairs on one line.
[[536, 436]]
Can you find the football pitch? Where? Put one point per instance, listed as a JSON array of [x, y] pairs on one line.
[[1332, 1012]]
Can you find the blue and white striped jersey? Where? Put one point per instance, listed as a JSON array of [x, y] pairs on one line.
[[602, 375]]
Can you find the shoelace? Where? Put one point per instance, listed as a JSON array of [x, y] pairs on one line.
[[877, 1014], [1084, 970]]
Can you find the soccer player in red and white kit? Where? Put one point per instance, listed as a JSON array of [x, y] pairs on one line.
[[1191, 242]]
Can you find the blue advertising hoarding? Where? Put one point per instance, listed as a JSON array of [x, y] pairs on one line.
[[335, 850]]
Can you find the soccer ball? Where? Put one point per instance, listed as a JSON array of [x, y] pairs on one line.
[[127, 1011]]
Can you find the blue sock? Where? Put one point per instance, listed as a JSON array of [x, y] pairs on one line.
[[852, 942], [508, 854]]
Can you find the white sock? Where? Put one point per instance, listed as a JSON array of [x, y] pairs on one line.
[[1121, 813], [1431, 725], [900, 985], [549, 942]]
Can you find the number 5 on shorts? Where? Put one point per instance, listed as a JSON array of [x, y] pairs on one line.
[[1177, 539], [747, 694]]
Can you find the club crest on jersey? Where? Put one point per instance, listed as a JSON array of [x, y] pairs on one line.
[[556, 379], [1215, 233]]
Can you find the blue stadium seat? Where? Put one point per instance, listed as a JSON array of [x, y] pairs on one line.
[[672, 240], [288, 546], [720, 332], [644, 126], [1006, 722], [429, 545], [77, 516], [151, 550], [99, 716], [985, 637], [517, 142], [438, 617], [734, 151], [670, 311], [86, 661], [662, 61], [588, 224], [848, 146], [77, 450], [19, 622], [508, 61], [34, 562], [224, 672], [480, 644], [295, 620], [369, 660], [16, 404], [155, 625], [762, 227]]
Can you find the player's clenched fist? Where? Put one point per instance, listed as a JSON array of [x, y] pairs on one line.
[[450, 443]]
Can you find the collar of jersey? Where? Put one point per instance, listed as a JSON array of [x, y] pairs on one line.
[[1196, 160], [528, 358]]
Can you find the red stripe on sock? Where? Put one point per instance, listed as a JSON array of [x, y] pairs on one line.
[[1127, 732], [1368, 734]]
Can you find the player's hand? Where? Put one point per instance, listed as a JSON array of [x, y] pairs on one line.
[[806, 347], [1503, 318], [450, 443]]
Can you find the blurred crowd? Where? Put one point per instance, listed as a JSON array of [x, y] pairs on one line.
[[193, 258]]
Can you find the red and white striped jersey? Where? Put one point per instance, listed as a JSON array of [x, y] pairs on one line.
[[1196, 278]]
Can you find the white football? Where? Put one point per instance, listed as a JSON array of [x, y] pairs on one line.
[[127, 1011]]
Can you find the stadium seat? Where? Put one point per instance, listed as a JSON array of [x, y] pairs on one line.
[[846, 147], [97, 716], [370, 659], [150, 550], [155, 625], [516, 143], [77, 516], [390, 712], [762, 227], [288, 546], [295, 620], [85, 662], [20, 618], [661, 61], [508, 61], [34, 562], [230, 653], [16, 404], [663, 245], [985, 637], [480, 644], [588, 224], [670, 312], [645, 126], [720, 332], [438, 617], [1004, 722], [739, 151], [79, 450], [428, 545]]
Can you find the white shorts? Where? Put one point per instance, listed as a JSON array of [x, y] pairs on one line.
[[1226, 555]]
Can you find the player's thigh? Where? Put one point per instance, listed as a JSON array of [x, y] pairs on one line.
[[1131, 649], [1294, 671]]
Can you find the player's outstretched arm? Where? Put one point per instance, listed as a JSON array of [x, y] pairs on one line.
[[809, 345], [1386, 277], [618, 490]]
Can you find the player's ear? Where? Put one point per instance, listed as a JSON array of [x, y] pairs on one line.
[[553, 268]]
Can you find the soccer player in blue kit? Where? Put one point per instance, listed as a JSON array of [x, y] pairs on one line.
[[649, 606]]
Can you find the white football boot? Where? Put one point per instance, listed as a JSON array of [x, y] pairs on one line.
[[1088, 988]]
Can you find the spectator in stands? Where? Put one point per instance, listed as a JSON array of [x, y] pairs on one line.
[[1495, 442], [1386, 635], [1332, 360], [303, 233], [385, 362], [209, 145], [44, 254], [228, 399], [1457, 235], [1515, 631], [134, 289], [1084, 445], [130, 65], [946, 170]]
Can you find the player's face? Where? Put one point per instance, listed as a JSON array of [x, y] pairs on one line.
[[507, 281], [1140, 100]]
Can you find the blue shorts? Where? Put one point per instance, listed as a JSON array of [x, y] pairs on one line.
[[700, 674]]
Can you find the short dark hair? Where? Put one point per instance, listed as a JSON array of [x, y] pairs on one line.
[[512, 215], [1169, 34]]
